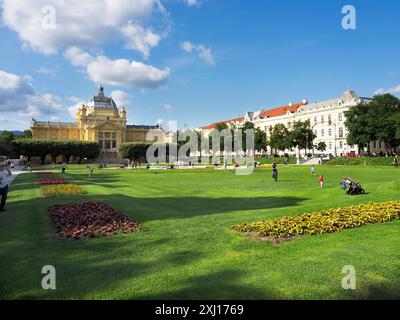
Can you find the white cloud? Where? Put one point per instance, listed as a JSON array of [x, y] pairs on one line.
[[139, 38], [78, 57], [18, 95], [166, 106], [9, 81], [47, 103], [125, 73], [192, 3], [393, 90], [121, 98], [46, 71], [78, 23], [72, 110], [203, 53]]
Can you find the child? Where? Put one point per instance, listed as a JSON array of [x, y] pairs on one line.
[[321, 181], [313, 170]]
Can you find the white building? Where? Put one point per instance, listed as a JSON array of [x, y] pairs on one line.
[[326, 118]]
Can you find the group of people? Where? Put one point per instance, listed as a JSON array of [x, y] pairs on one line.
[[345, 182]]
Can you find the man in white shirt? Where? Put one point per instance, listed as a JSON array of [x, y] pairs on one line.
[[5, 174]]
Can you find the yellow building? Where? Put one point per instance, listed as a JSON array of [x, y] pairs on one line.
[[100, 121]]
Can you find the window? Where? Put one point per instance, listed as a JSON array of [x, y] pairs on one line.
[[108, 140], [316, 132], [330, 145], [341, 144], [322, 119], [330, 132], [322, 133], [340, 116], [315, 120], [107, 144], [101, 142], [101, 135], [340, 132], [114, 144], [329, 119]]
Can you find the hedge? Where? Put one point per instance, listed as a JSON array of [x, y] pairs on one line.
[[325, 221], [369, 161], [41, 148]]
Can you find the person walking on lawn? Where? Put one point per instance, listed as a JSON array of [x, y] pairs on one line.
[[313, 170], [5, 173], [321, 181], [275, 171]]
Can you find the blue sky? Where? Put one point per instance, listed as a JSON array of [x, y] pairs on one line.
[[194, 62]]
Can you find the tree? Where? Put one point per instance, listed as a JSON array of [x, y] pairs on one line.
[[377, 120], [134, 151], [27, 134], [302, 136], [279, 137], [321, 146], [41, 148], [6, 147], [260, 140]]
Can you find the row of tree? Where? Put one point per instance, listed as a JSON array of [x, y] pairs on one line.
[[280, 139], [42, 148], [378, 120], [6, 142]]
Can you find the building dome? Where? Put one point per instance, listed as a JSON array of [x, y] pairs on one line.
[[100, 101]]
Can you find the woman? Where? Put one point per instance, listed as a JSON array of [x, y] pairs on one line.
[[275, 172]]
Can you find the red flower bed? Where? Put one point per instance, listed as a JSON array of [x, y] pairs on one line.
[[45, 174], [89, 219], [51, 181]]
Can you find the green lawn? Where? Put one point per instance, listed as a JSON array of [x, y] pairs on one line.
[[188, 251]]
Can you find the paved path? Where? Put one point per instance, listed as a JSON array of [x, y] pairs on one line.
[[15, 172]]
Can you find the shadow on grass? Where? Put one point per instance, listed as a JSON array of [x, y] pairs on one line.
[[226, 285], [147, 209]]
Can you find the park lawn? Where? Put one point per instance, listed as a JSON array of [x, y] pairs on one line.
[[186, 248]]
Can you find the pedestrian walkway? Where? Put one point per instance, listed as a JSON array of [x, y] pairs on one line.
[[15, 172]]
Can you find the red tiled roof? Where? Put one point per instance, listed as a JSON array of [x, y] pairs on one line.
[[280, 111], [212, 126]]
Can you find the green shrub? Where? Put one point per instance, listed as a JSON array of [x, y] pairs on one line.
[[280, 160], [368, 161], [325, 221]]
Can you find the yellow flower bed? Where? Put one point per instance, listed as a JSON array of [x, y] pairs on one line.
[[325, 221], [61, 189]]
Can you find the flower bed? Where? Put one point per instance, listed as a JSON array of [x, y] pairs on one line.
[[51, 181], [61, 189], [326, 221], [89, 220], [44, 174]]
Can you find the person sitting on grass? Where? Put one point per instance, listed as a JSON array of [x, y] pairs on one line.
[[5, 173], [343, 184]]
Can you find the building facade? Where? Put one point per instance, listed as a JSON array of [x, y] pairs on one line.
[[327, 120], [100, 121]]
